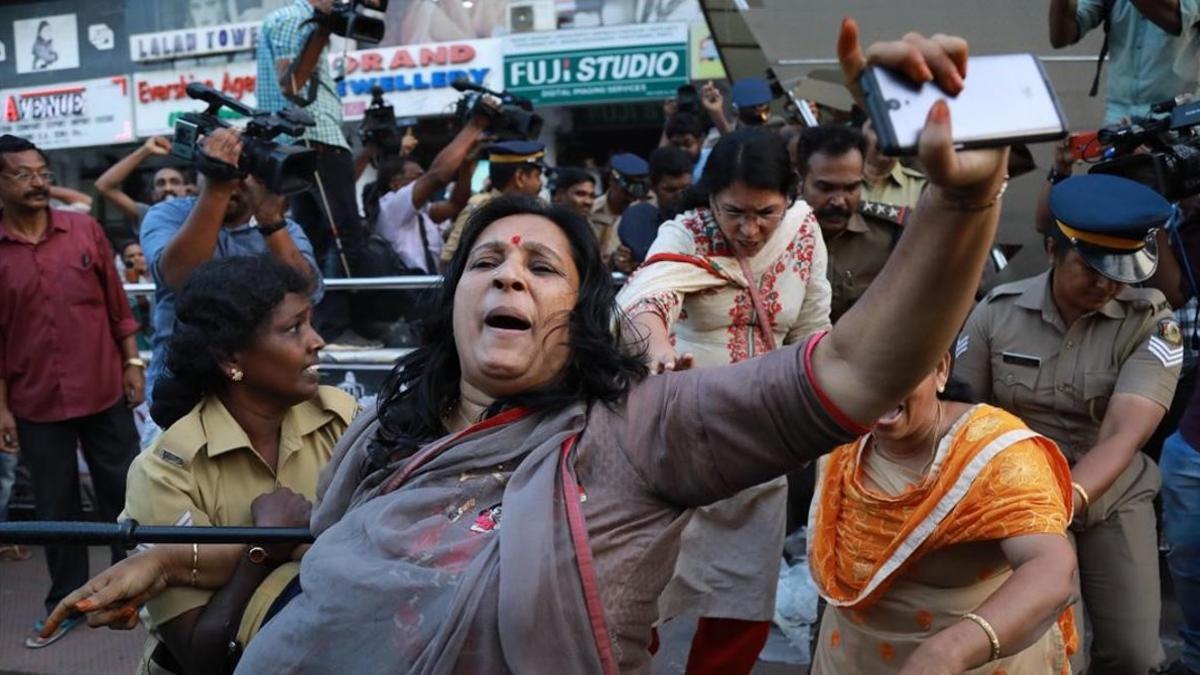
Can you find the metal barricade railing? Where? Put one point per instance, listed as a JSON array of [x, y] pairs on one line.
[[130, 533], [406, 283]]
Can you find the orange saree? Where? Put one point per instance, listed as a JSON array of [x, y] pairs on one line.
[[897, 568]]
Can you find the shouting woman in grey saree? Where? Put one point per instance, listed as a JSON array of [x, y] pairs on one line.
[[513, 506]]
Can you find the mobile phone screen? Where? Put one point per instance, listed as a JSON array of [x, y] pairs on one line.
[[1006, 99]]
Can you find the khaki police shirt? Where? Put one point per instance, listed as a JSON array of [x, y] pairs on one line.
[[460, 223], [901, 187], [202, 471], [856, 255], [1015, 352]]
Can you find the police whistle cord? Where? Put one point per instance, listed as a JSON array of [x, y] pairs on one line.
[[129, 534]]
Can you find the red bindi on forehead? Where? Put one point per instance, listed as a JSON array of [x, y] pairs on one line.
[[516, 240]]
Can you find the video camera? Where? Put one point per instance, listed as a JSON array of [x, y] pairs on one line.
[[511, 116], [379, 127], [283, 169], [348, 20], [1172, 166]]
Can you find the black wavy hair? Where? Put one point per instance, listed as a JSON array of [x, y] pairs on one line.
[[425, 383], [684, 123], [752, 156], [831, 139], [14, 144], [668, 161], [219, 311], [567, 177]]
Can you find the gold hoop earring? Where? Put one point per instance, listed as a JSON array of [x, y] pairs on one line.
[[236, 374]]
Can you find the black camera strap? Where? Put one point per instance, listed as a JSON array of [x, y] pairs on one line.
[[431, 266], [1108, 8]]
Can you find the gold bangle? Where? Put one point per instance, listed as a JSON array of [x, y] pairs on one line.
[[195, 562], [961, 204], [1083, 496], [987, 628]]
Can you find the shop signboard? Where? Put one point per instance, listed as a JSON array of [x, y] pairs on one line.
[[70, 114], [598, 65], [416, 79], [191, 42], [160, 96]]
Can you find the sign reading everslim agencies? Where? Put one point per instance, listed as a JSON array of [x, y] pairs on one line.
[[620, 63], [160, 96], [70, 114]]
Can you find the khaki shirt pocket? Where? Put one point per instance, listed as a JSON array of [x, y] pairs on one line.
[[1098, 388], [1014, 386]]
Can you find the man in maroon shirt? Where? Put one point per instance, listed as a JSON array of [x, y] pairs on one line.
[[69, 366]]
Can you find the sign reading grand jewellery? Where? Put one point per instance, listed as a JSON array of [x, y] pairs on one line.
[[160, 96], [416, 79], [189, 42], [70, 114], [619, 63]]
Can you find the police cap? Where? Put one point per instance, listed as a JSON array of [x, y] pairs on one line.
[[1111, 221], [516, 152], [751, 92], [629, 165]]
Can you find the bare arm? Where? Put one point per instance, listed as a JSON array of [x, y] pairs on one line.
[[363, 159], [891, 339], [459, 196], [1020, 611], [1064, 28], [271, 209], [109, 182], [66, 194], [1128, 423], [1164, 13], [8, 423], [447, 162], [1169, 277]]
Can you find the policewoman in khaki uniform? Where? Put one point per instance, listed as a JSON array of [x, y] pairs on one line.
[[1088, 361], [248, 430]]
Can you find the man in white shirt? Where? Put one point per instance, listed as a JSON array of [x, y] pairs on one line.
[[404, 214]]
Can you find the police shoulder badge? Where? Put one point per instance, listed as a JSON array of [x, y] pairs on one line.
[[1168, 330]]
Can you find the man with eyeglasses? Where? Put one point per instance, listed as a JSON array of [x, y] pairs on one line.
[[830, 161], [69, 367]]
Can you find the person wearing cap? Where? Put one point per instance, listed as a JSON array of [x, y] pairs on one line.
[[752, 100], [514, 168], [1092, 363], [628, 183]]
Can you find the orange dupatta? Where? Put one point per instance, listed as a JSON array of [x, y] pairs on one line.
[[993, 478]]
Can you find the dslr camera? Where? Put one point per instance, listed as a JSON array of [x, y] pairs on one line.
[[512, 117], [283, 169], [1172, 166], [348, 20]]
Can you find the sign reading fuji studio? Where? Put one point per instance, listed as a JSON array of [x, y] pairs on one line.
[[70, 114], [621, 63], [161, 96], [415, 79]]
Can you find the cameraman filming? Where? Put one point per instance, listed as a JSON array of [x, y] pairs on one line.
[[401, 210], [293, 66], [231, 217]]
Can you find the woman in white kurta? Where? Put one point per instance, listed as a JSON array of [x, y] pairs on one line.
[[739, 273]]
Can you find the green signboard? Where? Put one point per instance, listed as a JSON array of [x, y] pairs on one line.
[[601, 66]]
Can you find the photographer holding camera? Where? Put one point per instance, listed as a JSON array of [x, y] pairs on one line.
[[402, 212], [232, 216], [293, 66]]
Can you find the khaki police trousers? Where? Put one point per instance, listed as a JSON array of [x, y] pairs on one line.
[[1117, 546]]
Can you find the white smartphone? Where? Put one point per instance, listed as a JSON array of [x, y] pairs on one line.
[[1006, 99]]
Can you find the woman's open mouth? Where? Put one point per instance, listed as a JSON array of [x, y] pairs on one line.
[[892, 415], [506, 319]]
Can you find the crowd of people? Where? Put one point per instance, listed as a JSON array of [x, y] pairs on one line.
[[807, 335]]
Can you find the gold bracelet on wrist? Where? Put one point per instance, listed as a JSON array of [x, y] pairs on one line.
[[1083, 496], [987, 628], [195, 562], [967, 206], [136, 362]]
